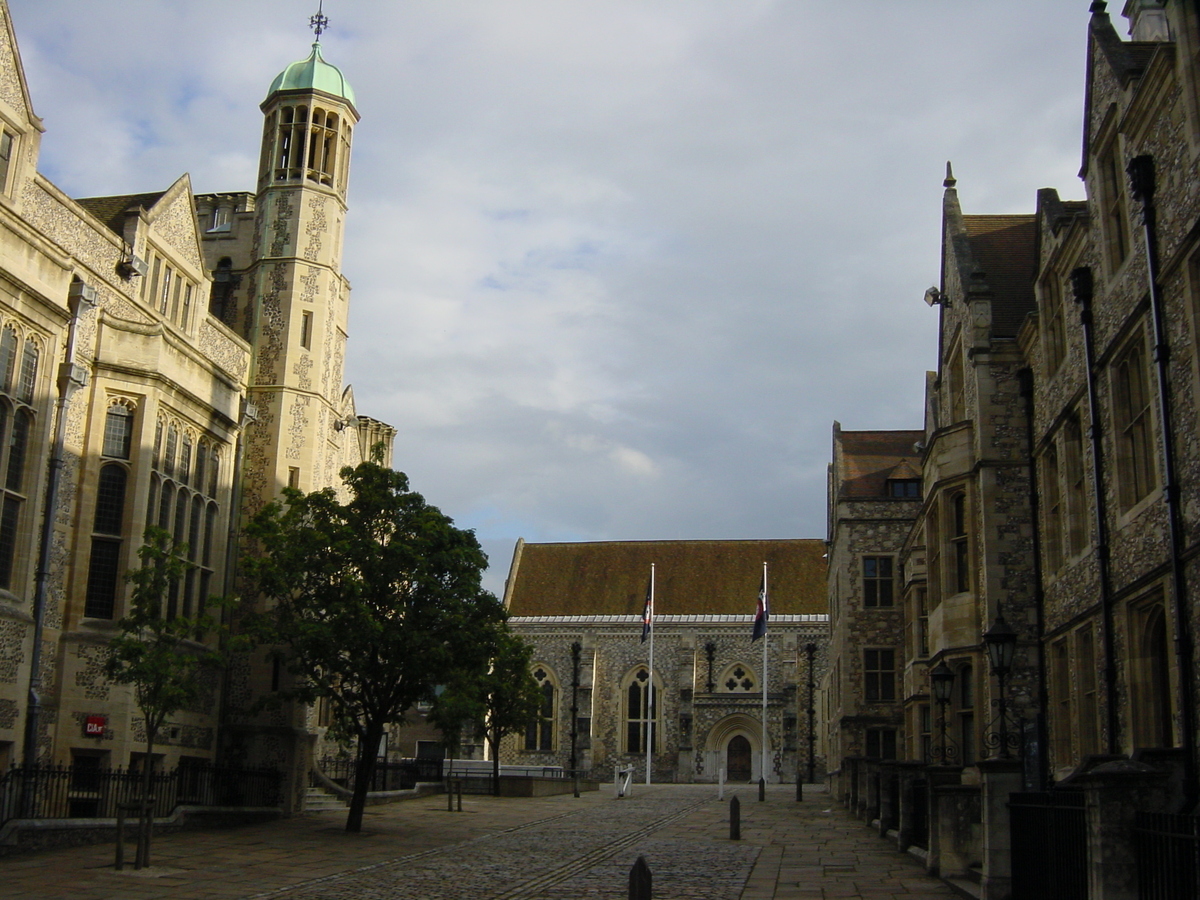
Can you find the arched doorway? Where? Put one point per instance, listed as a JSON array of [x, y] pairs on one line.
[[738, 759]]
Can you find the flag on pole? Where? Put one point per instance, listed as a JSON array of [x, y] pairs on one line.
[[760, 617], [648, 610]]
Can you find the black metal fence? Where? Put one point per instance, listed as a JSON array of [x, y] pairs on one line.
[[88, 792], [1167, 849], [389, 775], [1049, 845]]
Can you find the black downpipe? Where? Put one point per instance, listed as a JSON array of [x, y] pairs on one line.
[[1083, 288], [1141, 183], [1042, 775]]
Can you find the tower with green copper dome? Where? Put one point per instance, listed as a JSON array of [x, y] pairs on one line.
[[306, 425]]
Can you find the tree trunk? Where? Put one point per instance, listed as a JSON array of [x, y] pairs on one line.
[[146, 819], [364, 771], [495, 765]]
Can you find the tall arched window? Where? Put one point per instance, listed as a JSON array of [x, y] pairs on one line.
[[641, 711], [1151, 671], [104, 567], [540, 734], [960, 547], [18, 387]]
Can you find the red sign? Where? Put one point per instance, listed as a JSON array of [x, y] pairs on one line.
[[93, 726]]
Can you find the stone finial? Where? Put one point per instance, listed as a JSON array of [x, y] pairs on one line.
[[950, 181]]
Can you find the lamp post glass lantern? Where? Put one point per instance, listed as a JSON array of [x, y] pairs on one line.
[[1001, 643], [942, 679]]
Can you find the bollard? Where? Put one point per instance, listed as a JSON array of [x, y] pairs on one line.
[[639, 880], [735, 819], [799, 789], [762, 789], [458, 784], [449, 796], [721, 783]]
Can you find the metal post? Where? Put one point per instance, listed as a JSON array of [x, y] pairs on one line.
[[735, 819], [811, 650], [576, 648]]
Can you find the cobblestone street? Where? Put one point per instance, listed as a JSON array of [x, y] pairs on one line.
[[555, 848]]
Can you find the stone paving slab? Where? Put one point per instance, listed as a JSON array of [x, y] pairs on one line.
[[549, 848]]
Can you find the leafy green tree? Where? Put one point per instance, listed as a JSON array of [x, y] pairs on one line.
[[511, 696], [371, 603], [161, 658], [495, 702]]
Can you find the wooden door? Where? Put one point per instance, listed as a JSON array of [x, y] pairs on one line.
[[737, 759]]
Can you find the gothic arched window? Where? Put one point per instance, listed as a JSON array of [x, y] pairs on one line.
[[540, 734]]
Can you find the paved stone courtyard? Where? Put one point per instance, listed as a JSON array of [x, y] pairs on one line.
[[553, 848]]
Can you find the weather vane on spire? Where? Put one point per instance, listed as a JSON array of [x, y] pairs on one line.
[[319, 22]]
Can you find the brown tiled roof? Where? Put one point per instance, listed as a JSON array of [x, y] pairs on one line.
[[111, 210], [1003, 247], [690, 578], [867, 459]]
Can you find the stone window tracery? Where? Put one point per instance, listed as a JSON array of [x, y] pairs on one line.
[[738, 679], [641, 711], [540, 734]]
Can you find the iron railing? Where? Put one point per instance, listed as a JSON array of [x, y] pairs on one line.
[[87, 792], [1049, 845], [1167, 848]]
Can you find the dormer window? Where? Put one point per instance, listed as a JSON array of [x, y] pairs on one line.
[[904, 488]]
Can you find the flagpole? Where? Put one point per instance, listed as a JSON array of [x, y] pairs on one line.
[[650, 705], [766, 606]]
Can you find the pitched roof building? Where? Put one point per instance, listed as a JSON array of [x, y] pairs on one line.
[[582, 605]]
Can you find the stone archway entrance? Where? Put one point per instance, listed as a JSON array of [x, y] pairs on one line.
[[738, 759]]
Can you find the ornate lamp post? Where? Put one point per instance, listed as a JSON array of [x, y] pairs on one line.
[[811, 651], [942, 679], [1001, 642], [576, 647]]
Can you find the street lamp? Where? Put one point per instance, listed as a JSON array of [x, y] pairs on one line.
[[942, 679], [1001, 643], [576, 647]]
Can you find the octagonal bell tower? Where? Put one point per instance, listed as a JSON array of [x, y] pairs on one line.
[[300, 298]]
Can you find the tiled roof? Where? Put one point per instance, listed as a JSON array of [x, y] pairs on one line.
[[867, 459], [691, 578], [1003, 247], [111, 210]]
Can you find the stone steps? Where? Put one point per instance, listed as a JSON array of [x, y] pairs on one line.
[[318, 799]]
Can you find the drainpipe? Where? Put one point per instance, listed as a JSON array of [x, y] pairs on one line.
[[71, 377], [1141, 183], [1082, 287], [1041, 777]]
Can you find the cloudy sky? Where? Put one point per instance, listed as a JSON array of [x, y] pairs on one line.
[[617, 266]]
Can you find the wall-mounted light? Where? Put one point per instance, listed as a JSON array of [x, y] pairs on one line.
[[934, 297]]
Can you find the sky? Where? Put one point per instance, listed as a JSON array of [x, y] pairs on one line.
[[617, 266]]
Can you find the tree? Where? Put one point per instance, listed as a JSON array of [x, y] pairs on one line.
[[371, 603], [501, 700], [162, 658], [511, 696]]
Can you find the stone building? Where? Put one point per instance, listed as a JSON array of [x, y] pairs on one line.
[[874, 495], [165, 359], [581, 606], [1115, 394], [1069, 351]]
